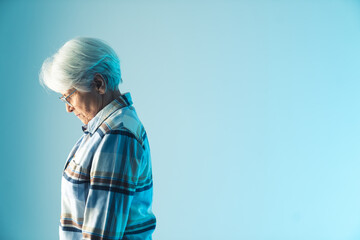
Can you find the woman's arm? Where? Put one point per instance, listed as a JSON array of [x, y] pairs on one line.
[[115, 171]]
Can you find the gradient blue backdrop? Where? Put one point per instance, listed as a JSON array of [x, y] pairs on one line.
[[252, 109]]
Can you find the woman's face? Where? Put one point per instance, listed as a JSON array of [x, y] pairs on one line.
[[85, 105]]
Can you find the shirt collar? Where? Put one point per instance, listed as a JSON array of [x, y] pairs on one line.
[[123, 100]]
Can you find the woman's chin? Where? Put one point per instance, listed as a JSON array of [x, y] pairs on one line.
[[84, 121]]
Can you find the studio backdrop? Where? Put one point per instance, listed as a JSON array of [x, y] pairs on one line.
[[252, 110]]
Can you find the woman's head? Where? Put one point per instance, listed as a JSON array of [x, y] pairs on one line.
[[77, 62], [86, 71]]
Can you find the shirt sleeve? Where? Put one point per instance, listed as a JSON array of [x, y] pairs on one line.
[[114, 176]]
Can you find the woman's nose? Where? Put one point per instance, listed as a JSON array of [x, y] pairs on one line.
[[69, 108]]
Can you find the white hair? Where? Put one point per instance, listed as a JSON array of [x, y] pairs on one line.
[[75, 64]]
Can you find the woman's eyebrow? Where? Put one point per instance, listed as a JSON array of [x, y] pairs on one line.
[[65, 94]]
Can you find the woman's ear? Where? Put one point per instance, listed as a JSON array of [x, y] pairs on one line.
[[99, 83]]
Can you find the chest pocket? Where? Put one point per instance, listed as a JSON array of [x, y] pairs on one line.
[[78, 180]]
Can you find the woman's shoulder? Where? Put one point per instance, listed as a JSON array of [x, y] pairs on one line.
[[124, 122]]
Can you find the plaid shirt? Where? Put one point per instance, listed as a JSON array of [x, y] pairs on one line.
[[106, 190]]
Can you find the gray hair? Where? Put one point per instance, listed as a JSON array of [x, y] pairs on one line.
[[75, 64]]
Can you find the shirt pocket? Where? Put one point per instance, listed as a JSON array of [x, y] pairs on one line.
[[77, 180]]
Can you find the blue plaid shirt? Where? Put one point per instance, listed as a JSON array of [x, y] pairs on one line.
[[106, 190]]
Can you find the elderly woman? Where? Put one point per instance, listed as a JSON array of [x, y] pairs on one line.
[[107, 182]]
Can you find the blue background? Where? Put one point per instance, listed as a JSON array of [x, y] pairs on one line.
[[251, 108]]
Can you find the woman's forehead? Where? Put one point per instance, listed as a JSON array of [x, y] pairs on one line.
[[67, 92]]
